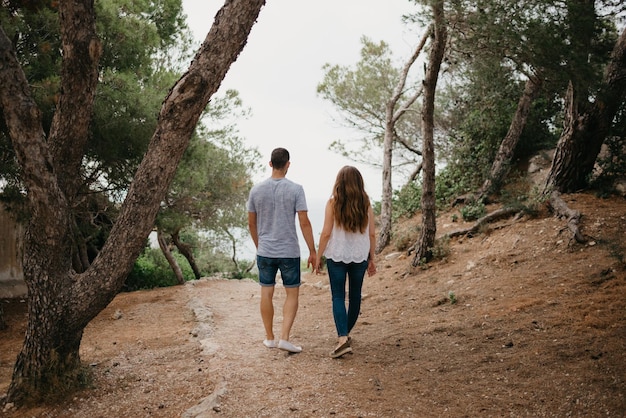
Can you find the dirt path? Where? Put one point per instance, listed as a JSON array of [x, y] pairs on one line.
[[256, 381], [538, 328]]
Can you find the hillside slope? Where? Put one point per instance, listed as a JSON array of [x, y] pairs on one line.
[[538, 328]]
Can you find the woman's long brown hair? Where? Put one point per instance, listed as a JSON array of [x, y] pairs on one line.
[[351, 202]]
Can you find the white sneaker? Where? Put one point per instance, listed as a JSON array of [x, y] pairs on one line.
[[270, 343], [287, 346]]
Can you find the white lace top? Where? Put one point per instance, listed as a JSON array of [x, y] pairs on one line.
[[348, 247]]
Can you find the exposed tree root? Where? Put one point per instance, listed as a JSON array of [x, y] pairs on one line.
[[560, 209], [490, 217], [556, 204]]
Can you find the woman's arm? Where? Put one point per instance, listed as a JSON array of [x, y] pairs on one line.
[[329, 220]]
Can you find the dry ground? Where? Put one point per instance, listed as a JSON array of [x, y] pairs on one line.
[[538, 329]]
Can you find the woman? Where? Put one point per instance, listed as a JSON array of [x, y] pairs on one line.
[[348, 240]]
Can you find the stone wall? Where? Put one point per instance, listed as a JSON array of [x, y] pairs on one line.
[[11, 276]]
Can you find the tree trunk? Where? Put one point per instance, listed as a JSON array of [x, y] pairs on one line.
[[233, 242], [49, 356], [584, 134], [384, 234], [61, 302], [560, 208], [3, 323], [423, 248], [502, 162], [186, 251], [165, 249], [391, 118]]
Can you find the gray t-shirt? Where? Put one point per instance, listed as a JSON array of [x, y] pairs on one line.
[[276, 202]]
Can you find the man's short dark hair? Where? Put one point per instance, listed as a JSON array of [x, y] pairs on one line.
[[280, 158]]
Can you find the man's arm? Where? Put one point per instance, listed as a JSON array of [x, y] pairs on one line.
[[252, 227], [307, 233]]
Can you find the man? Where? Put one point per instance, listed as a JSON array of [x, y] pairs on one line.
[[272, 208]]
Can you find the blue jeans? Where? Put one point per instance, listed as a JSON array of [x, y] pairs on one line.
[[337, 272], [289, 271]]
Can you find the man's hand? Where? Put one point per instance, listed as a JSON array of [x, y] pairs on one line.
[[312, 262]]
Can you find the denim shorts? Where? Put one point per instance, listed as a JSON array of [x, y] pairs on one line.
[[289, 270]]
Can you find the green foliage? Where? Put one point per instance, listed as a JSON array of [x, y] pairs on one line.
[[138, 37], [473, 211], [376, 207], [152, 270], [479, 108], [528, 203], [132, 82], [403, 239], [441, 249], [360, 94], [452, 182], [240, 275], [210, 255], [452, 297], [212, 182], [132, 32], [407, 201], [123, 122]]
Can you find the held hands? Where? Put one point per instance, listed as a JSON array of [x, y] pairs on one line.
[[319, 268], [312, 262], [371, 267]]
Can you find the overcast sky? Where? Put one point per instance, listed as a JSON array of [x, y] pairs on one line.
[[278, 72]]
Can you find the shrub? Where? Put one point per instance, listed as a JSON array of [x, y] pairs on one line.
[[152, 270], [407, 201], [473, 211]]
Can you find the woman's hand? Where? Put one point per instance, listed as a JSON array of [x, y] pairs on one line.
[[320, 267], [371, 267]]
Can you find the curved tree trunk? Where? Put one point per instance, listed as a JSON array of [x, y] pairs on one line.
[[165, 249], [233, 244], [584, 134], [391, 118], [61, 302], [423, 248], [502, 162], [385, 204], [186, 251]]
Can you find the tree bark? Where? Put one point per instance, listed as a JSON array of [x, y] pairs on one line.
[[186, 251], [233, 245], [560, 209], [423, 248], [391, 118], [165, 249], [79, 78], [3, 323], [61, 302], [502, 162], [384, 234], [582, 138], [49, 355]]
